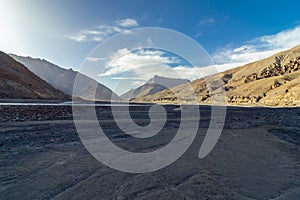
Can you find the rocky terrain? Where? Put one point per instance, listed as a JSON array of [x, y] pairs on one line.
[[17, 82], [20, 113], [63, 79], [152, 86], [256, 157], [273, 81]]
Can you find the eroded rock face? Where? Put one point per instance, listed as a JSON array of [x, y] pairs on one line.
[[243, 99], [251, 78], [275, 69], [226, 78], [278, 68]]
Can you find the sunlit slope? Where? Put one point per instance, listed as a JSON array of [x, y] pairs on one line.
[[273, 81]]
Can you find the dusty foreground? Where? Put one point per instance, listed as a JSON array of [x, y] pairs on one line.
[[257, 157]]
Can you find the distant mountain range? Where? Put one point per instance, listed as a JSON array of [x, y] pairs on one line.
[[152, 86], [273, 81], [63, 79], [17, 82]]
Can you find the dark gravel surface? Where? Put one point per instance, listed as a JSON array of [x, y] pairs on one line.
[[34, 113], [42, 157], [237, 117]]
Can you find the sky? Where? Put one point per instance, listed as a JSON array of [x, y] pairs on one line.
[[64, 32]]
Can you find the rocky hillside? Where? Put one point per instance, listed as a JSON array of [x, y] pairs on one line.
[[273, 81], [63, 79], [152, 86], [17, 82]]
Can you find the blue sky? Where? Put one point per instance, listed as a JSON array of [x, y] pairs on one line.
[[233, 32]]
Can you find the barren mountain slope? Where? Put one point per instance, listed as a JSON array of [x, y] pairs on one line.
[[273, 81], [17, 82], [63, 79], [152, 86]]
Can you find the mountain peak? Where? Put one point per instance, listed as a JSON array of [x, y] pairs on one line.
[[153, 85], [168, 82], [63, 79], [17, 82], [273, 81]]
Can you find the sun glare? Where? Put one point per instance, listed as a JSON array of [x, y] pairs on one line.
[[8, 34]]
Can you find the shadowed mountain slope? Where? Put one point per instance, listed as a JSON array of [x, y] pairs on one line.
[[17, 82], [63, 79]]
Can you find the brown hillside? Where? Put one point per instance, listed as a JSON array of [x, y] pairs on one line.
[[273, 81], [17, 82]]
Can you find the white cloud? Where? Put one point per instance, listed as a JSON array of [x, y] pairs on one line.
[[127, 22], [95, 59], [206, 21], [190, 73], [102, 32], [127, 78], [78, 37], [96, 34], [193, 73], [144, 64], [136, 84], [136, 67], [259, 48], [253, 50], [282, 40], [216, 68], [124, 61]]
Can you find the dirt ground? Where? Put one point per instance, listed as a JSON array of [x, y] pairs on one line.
[[256, 157]]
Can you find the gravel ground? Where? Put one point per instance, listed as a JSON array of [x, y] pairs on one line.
[[257, 157]]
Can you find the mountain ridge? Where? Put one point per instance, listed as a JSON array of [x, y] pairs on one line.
[[153, 85], [272, 81], [64, 79], [17, 82]]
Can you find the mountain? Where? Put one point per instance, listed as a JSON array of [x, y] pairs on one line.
[[63, 79], [17, 82], [152, 86], [273, 81]]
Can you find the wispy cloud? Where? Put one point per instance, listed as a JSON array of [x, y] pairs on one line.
[[139, 66], [143, 63], [101, 32], [136, 67], [196, 72], [95, 59], [206, 21], [258, 48], [127, 22], [126, 78]]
